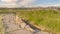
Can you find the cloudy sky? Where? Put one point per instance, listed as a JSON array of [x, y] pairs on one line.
[[28, 3]]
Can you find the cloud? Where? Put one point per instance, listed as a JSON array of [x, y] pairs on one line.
[[8, 1], [46, 5], [8, 5], [21, 3], [26, 2], [17, 3]]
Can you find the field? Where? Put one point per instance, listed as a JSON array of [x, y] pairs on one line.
[[50, 19]]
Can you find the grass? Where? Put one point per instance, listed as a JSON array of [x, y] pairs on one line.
[[47, 18]]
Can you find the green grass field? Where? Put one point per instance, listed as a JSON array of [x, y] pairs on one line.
[[47, 18]]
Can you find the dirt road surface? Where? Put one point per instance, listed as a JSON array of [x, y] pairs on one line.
[[12, 28]]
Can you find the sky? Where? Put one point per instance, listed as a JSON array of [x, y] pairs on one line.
[[29, 3]]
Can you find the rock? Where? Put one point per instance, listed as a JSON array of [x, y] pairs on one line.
[[27, 27], [22, 25]]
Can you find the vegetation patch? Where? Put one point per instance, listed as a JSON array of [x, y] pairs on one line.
[[50, 19], [47, 18]]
